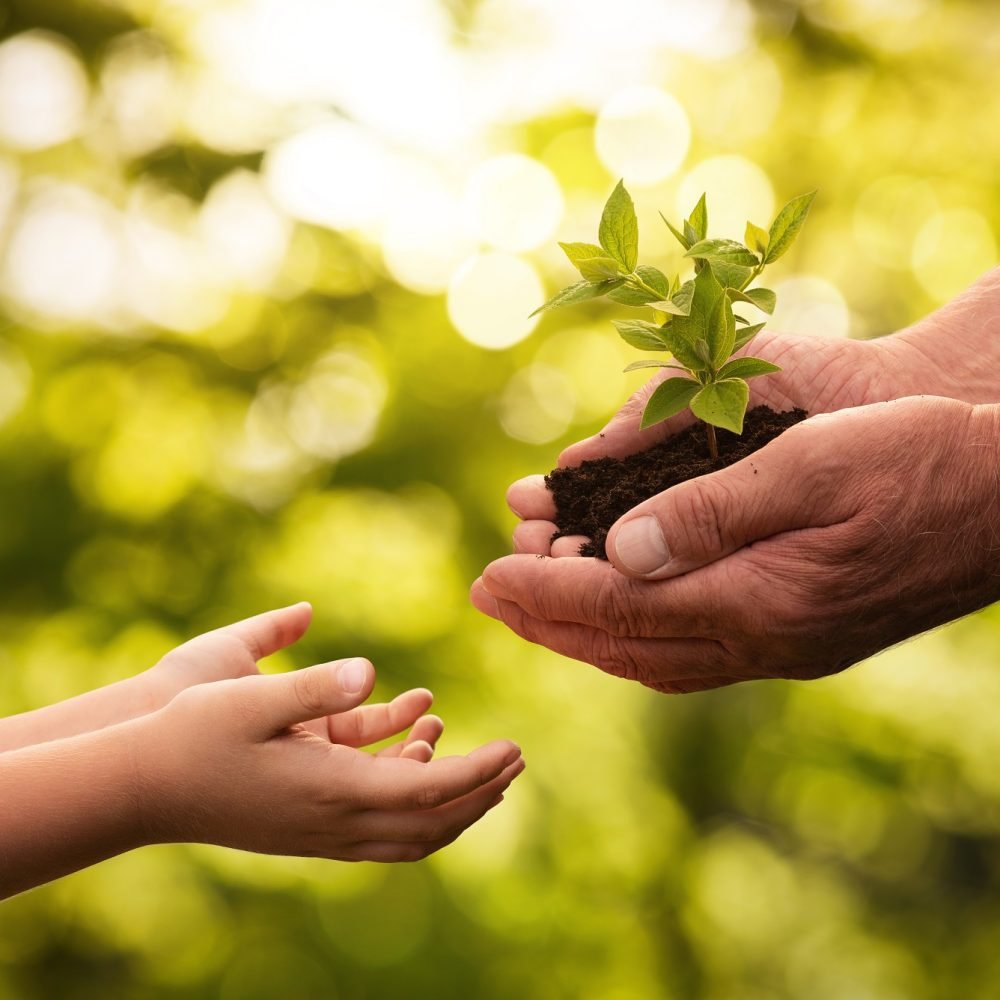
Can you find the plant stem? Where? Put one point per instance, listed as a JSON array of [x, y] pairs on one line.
[[637, 282], [753, 277], [713, 445]]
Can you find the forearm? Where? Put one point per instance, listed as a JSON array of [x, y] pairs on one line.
[[86, 713], [67, 804], [954, 352]]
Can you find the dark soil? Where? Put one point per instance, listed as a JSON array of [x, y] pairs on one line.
[[592, 496]]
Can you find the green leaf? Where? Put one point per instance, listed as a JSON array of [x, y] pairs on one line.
[[721, 332], [698, 219], [747, 368], [747, 334], [670, 398], [578, 252], [630, 296], [724, 251], [691, 234], [681, 238], [786, 226], [638, 333], [756, 238], [703, 351], [682, 350], [762, 298], [705, 294], [579, 292], [722, 404], [619, 229], [600, 269], [730, 275], [646, 363], [683, 298]]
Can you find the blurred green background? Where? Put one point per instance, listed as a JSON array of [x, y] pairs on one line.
[[265, 271]]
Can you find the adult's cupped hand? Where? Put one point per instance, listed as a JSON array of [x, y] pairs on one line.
[[848, 533]]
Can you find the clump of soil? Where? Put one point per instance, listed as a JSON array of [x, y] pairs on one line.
[[592, 496]]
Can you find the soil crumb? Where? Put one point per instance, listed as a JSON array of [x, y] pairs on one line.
[[592, 496]]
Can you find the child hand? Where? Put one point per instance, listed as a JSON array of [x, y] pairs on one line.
[[233, 651], [232, 763]]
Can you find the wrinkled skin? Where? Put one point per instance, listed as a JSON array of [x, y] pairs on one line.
[[872, 521]]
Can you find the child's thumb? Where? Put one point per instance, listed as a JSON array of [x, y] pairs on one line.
[[302, 695]]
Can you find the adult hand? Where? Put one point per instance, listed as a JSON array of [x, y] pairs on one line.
[[817, 375], [848, 533]]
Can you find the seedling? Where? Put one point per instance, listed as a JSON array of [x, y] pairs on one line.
[[695, 321]]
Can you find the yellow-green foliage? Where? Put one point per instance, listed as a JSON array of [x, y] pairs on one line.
[[229, 381]]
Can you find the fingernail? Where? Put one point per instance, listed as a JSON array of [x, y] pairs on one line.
[[352, 674], [515, 752], [640, 546]]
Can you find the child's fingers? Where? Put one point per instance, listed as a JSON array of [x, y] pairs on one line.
[[431, 825], [427, 729], [371, 723], [404, 784], [266, 633], [278, 701], [414, 850], [419, 750]]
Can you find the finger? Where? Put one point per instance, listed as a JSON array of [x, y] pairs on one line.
[[568, 545], [622, 435], [426, 730], [793, 482], [419, 750], [281, 700], [392, 851], [482, 600], [407, 784], [431, 825], [371, 723], [671, 666], [592, 592], [534, 537], [266, 633], [531, 500]]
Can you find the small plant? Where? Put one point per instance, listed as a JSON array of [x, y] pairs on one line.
[[695, 321]]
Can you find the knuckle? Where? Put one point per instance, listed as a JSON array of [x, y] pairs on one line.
[[614, 656], [701, 514], [310, 688], [429, 795], [617, 609]]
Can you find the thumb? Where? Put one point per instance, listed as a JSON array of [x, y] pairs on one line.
[[623, 435], [789, 484], [303, 695]]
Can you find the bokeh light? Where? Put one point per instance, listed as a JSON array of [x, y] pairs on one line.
[[43, 91], [642, 134], [266, 276], [513, 203], [738, 190], [491, 298]]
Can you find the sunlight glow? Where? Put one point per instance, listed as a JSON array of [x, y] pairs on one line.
[[809, 304], [491, 297], [244, 233], [940, 269], [64, 256], [642, 135], [43, 91], [737, 190], [513, 202]]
